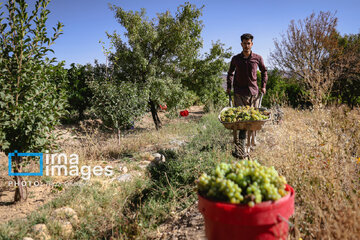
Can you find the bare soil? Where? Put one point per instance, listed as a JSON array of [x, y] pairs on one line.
[[188, 225], [10, 211]]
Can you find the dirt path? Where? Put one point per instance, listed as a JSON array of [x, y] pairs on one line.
[[38, 196], [188, 225]]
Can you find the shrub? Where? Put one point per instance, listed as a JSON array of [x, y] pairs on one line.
[[78, 92], [118, 104]]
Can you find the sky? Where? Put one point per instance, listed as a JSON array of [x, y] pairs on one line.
[[86, 22]]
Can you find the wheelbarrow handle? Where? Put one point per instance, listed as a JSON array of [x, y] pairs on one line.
[[261, 97], [230, 100]]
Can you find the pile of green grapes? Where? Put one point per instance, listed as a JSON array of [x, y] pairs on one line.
[[242, 113], [244, 182]]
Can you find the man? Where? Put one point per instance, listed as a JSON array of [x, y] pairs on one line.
[[246, 90]]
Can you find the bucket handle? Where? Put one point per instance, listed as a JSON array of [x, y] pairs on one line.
[[281, 218]]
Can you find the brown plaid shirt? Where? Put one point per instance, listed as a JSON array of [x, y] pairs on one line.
[[245, 79]]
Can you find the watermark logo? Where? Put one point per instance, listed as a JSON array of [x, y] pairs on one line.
[[16, 154], [60, 165]]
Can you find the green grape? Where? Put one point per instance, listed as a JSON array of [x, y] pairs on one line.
[[245, 182], [242, 113]]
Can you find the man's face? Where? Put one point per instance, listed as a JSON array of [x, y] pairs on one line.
[[246, 45]]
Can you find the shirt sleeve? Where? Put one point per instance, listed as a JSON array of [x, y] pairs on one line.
[[263, 70], [230, 74]]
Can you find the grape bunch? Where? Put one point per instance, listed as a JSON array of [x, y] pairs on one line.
[[242, 113], [245, 182]]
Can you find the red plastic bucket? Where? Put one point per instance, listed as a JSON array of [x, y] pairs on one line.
[[264, 221]]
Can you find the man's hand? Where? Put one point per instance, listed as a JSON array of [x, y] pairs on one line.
[[263, 90], [228, 91]]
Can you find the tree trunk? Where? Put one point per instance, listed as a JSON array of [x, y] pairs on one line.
[[119, 136], [20, 190], [155, 115]]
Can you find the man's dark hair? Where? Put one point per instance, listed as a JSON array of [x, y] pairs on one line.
[[247, 36]]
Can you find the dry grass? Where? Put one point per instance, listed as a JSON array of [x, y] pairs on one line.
[[91, 144], [318, 152]]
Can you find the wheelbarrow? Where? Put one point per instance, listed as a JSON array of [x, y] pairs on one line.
[[243, 127]]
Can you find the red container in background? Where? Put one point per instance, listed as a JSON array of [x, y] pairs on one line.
[[164, 108], [264, 221], [184, 113]]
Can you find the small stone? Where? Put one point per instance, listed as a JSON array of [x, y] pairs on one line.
[[39, 228], [125, 170], [66, 229], [67, 213], [41, 232], [125, 178], [159, 158]]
